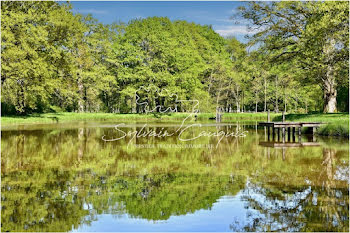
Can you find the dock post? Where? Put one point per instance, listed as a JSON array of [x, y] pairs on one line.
[[218, 114], [288, 134], [293, 134], [299, 133], [284, 134]]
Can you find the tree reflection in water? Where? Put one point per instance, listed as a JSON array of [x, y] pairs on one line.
[[60, 179]]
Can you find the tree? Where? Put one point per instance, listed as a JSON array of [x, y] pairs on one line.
[[35, 37], [238, 54], [188, 60], [94, 79], [316, 34]]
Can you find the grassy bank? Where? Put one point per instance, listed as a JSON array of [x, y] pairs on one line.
[[71, 116], [337, 123], [64, 117]]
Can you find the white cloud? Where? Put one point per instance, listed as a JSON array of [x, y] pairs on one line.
[[232, 11], [233, 30], [92, 11], [226, 20]]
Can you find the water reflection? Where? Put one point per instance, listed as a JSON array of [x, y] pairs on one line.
[[66, 178]]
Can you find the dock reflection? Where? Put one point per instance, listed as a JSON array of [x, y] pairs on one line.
[[287, 144]]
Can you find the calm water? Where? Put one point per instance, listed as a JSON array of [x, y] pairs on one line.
[[64, 177]]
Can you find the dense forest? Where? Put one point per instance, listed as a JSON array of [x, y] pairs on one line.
[[53, 60]]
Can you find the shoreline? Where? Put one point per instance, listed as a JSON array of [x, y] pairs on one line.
[[71, 117], [337, 123]]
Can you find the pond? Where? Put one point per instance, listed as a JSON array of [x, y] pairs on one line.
[[92, 176]]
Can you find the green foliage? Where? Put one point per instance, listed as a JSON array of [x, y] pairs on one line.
[[69, 117], [177, 56], [35, 37], [312, 35], [50, 57], [336, 124], [59, 178], [54, 58], [335, 129]]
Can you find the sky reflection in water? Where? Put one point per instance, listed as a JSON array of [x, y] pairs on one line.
[[66, 178]]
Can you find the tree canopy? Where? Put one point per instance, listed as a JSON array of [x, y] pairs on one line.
[[314, 34], [54, 60]]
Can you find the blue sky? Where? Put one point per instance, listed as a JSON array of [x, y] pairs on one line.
[[216, 14]]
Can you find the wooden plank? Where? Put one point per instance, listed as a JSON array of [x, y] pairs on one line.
[[284, 125], [266, 123], [288, 144], [310, 144], [279, 144], [291, 124], [310, 124]]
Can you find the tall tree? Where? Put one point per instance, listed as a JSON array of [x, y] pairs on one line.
[[35, 39], [316, 34], [187, 59], [238, 54]]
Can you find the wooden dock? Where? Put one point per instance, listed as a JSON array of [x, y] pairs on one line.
[[290, 127]]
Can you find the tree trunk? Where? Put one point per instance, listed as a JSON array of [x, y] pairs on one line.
[[133, 104], [306, 107], [80, 101], [237, 100], [330, 101], [285, 101], [20, 98], [256, 102], [329, 85], [276, 96], [242, 101], [85, 100], [330, 94], [80, 93], [209, 90], [265, 105]]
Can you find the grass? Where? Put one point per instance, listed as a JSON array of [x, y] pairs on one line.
[[337, 123], [71, 116], [259, 116], [66, 117]]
